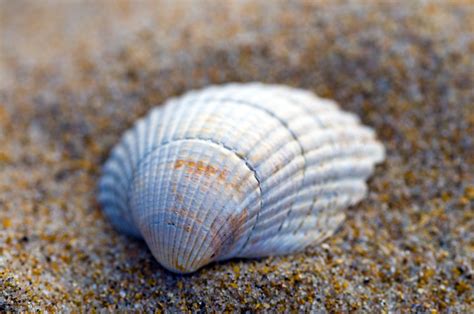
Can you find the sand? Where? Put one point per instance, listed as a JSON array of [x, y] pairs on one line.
[[75, 75]]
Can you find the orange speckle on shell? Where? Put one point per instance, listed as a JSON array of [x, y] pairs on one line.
[[199, 167]]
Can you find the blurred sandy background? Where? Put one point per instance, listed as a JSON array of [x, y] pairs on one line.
[[75, 74]]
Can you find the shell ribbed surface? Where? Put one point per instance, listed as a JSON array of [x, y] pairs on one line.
[[238, 170]]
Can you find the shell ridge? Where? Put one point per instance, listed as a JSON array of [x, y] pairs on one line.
[[116, 161], [331, 142], [202, 249], [128, 158], [156, 241], [303, 107], [120, 157], [330, 196], [180, 115], [159, 132], [162, 125], [111, 183], [207, 140], [256, 176], [115, 171], [119, 161], [190, 260], [325, 209], [321, 125], [245, 201], [195, 101], [324, 159], [163, 215], [197, 248], [328, 176], [352, 190], [186, 262], [203, 96], [185, 113], [154, 119], [135, 143], [295, 138], [196, 105], [175, 246], [344, 187]]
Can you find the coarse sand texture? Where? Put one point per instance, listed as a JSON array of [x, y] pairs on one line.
[[75, 75]]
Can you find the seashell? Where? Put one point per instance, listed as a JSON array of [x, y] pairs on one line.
[[238, 170]]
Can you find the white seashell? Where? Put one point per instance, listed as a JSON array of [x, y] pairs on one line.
[[239, 170]]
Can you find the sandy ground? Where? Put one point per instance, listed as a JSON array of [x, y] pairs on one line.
[[75, 74]]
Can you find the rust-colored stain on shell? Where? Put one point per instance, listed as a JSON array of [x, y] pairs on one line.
[[223, 239], [200, 167], [178, 266], [181, 212]]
